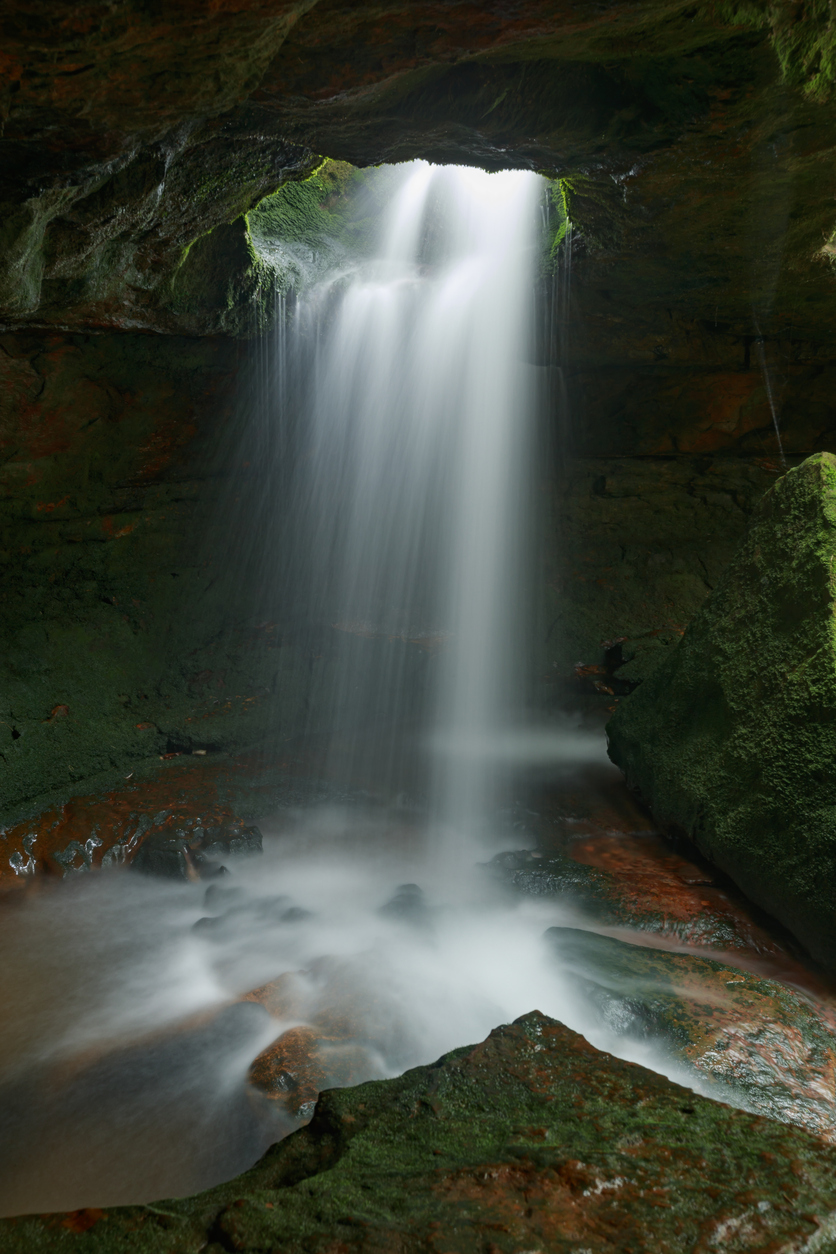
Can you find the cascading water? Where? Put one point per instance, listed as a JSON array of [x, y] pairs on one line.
[[403, 478], [409, 502]]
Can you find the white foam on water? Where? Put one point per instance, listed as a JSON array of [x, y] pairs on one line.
[[123, 1053]]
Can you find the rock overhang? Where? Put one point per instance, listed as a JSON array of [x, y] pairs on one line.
[[694, 142]]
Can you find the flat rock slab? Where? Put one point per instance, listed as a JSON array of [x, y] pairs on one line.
[[733, 738], [532, 1140]]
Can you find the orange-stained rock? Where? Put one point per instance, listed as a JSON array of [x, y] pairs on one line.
[[291, 1071], [328, 1049], [600, 846], [177, 810], [768, 1046], [82, 1220]]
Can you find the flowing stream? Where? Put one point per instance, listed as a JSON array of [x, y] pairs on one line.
[[124, 1049]]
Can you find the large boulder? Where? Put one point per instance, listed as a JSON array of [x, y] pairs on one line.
[[744, 1039], [532, 1140], [732, 739]]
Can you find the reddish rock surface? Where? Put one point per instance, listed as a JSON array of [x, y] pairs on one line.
[[131, 135], [745, 1039], [665, 893], [109, 829]]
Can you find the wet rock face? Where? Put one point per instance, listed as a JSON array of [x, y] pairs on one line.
[[133, 144], [761, 1044], [634, 546], [121, 637], [530, 1140], [731, 738], [178, 816]]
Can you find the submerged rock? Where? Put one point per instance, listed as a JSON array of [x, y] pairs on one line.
[[770, 1046], [733, 738], [408, 905], [530, 1140]]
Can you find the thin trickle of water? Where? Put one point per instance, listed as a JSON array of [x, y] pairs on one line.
[[769, 396]]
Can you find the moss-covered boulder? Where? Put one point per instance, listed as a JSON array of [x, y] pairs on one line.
[[733, 738], [532, 1140], [768, 1046]]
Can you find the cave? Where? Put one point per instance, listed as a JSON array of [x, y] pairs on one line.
[[402, 405]]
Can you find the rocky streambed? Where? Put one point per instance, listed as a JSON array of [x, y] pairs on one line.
[[535, 1138]]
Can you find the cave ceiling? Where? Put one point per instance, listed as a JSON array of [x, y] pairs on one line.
[[697, 141]]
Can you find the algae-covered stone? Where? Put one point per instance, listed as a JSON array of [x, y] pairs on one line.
[[532, 1140], [760, 1042], [733, 738]]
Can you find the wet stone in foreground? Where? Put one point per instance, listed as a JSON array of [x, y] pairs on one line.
[[770, 1047], [532, 1140]]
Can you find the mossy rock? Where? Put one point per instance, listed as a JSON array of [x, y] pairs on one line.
[[759, 1042], [530, 1140], [732, 739]]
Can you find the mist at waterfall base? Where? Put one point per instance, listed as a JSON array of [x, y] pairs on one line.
[[402, 557], [124, 1052]]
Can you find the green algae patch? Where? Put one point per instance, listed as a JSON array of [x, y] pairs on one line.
[[732, 739], [530, 1140]]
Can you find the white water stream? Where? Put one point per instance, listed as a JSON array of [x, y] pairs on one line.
[[413, 484]]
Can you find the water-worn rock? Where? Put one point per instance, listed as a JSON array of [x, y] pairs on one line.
[[530, 1140], [618, 898], [775, 1047], [182, 815], [733, 738]]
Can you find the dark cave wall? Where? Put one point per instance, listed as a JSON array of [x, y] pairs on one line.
[[696, 140], [125, 634], [665, 441], [138, 614]]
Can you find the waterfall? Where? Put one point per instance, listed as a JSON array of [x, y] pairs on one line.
[[410, 382], [397, 449]]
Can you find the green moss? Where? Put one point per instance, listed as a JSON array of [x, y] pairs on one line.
[[559, 192], [634, 544], [312, 226], [222, 281], [804, 37], [531, 1140], [700, 1013], [121, 602], [733, 737], [599, 207]]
